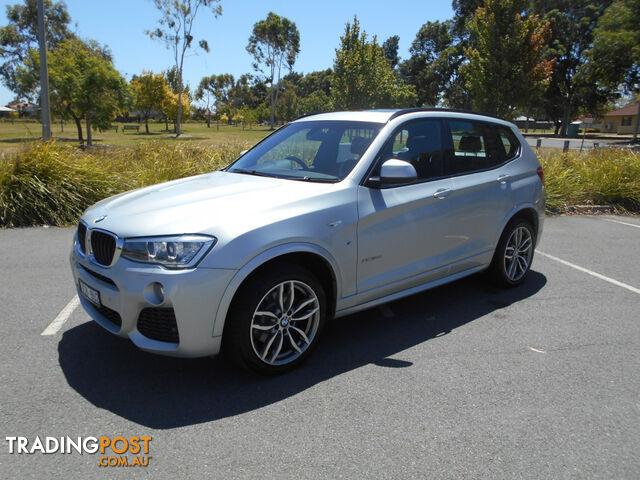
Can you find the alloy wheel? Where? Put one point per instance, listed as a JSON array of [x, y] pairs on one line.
[[285, 322], [518, 253]]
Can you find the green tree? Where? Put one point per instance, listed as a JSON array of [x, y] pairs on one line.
[[274, 43], [314, 81], [148, 91], [463, 10], [83, 83], [433, 63], [317, 101], [175, 107], [571, 87], [505, 65], [215, 89], [363, 77], [247, 91], [287, 108], [390, 47], [616, 48], [206, 95], [21, 35], [248, 115], [174, 29]]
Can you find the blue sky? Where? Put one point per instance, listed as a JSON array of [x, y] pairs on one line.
[[121, 24]]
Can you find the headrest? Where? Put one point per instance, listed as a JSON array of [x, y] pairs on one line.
[[470, 143], [359, 145]]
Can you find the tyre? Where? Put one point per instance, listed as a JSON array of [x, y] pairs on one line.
[[275, 320], [514, 253]]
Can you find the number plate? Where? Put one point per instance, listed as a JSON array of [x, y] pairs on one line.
[[89, 293]]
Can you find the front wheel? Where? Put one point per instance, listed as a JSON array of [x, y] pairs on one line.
[[276, 320], [514, 253]]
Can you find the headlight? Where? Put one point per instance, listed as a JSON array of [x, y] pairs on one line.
[[181, 251]]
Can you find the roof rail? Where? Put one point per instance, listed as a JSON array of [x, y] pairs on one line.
[[405, 111]]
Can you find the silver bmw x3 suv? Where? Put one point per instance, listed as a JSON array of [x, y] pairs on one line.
[[331, 214]]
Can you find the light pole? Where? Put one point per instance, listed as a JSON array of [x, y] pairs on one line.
[[44, 74]]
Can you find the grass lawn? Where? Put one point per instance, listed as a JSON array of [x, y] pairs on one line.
[[15, 135]]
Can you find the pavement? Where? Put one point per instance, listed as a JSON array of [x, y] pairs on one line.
[[464, 381], [575, 143]]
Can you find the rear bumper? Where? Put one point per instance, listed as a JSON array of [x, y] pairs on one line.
[[126, 289]]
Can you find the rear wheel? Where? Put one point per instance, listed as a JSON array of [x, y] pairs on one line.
[[276, 320], [513, 256]]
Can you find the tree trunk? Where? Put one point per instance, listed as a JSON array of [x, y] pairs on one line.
[[208, 120], [566, 118], [62, 125], [635, 131], [272, 116], [89, 133], [166, 123], [146, 123], [79, 127], [180, 88]]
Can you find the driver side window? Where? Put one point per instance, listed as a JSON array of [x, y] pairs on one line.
[[418, 142]]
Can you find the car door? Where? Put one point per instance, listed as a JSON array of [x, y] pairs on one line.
[[480, 195], [402, 229]]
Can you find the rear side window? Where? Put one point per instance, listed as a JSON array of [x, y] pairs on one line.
[[509, 142], [479, 146]]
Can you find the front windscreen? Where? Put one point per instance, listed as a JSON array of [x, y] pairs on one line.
[[321, 151]]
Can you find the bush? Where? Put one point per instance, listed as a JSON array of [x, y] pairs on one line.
[[51, 183], [594, 177]]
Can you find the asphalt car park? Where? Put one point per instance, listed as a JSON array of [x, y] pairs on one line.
[[466, 380], [575, 143]]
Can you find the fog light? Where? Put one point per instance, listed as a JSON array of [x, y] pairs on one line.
[[154, 293]]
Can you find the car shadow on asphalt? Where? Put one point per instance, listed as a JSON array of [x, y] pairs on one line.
[[162, 392]]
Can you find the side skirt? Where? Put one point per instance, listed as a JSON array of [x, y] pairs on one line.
[[408, 292]]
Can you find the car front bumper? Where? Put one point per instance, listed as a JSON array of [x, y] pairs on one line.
[[127, 289]]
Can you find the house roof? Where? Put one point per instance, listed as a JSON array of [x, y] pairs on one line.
[[6, 109], [628, 110]]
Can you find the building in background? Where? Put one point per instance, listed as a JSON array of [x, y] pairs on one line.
[[24, 109], [622, 120]]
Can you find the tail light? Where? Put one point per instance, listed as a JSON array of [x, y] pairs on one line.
[[540, 173]]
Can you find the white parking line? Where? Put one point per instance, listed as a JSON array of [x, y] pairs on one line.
[[590, 272], [62, 317], [621, 223]]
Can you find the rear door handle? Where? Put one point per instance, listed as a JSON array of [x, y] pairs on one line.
[[442, 193], [503, 178]]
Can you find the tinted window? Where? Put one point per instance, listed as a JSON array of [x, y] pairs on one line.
[[418, 142], [479, 146], [509, 141]]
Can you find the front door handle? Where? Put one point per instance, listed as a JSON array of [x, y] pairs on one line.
[[442, 193], [503, 179]]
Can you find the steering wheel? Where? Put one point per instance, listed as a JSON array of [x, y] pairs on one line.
[[298, 161]]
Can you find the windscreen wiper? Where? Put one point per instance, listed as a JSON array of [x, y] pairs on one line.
[[251, 172], [318, 179]]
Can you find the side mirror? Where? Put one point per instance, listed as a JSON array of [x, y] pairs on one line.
[[396, 172]]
